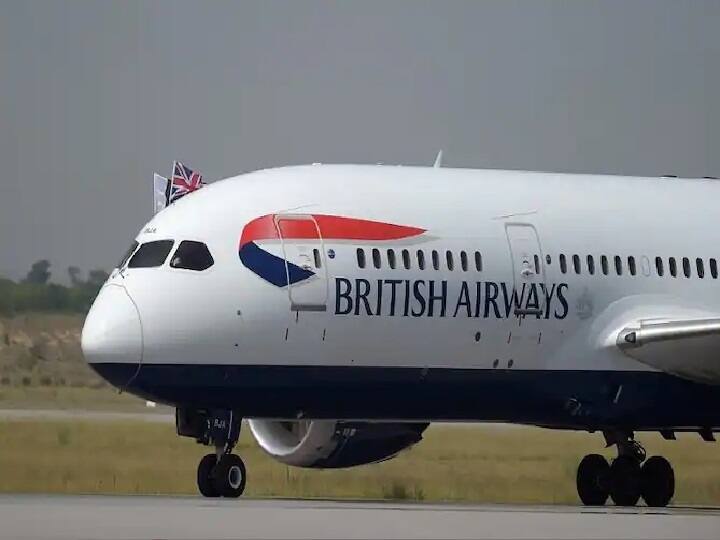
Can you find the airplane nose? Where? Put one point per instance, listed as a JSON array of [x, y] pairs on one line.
[[112, 332]]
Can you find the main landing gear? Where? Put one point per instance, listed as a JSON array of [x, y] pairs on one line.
[[221, 474], [629, 476]]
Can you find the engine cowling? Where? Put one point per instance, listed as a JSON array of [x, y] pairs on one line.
[[330, 444]]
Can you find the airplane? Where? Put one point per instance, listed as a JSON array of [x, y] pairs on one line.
[[341, 309]]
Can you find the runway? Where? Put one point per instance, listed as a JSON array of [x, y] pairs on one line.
[[120, 517]]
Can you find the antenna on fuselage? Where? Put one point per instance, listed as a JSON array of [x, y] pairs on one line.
[[438, 160]]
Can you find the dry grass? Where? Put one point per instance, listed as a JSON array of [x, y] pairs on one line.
[[488, 464], [43, 350], [65, 397]]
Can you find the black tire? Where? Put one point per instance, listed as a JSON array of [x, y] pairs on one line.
[[625, 481], [592, 480], [229, 476], [658, 482], [205, 483]]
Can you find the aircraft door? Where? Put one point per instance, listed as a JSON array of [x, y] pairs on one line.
[[528, 267], [305, 262]]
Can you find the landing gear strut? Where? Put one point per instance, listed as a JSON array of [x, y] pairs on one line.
[[627, 478], [223, 473]]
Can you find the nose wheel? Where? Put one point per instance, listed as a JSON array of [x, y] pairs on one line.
[[225, 477], [627, 479], [223, 473], [205, 482]]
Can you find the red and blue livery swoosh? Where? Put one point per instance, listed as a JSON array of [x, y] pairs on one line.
[[266, 228]]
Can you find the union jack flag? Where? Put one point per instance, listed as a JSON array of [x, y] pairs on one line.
[[184, 181]]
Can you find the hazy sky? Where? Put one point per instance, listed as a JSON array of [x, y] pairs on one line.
[[95, 96]]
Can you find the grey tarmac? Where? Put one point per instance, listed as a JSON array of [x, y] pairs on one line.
[[56, 517]]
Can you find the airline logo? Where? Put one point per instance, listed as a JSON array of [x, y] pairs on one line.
[[273, 229]]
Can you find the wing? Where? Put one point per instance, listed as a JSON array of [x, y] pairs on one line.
[[687, 348]]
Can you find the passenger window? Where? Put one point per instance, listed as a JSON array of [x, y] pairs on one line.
[[713, 268], [463, 261], [316, 256], [361, 257], [576, 263], [618, 265], [449, 260], [604, 265], [563, 264], [700, 268], [686, 267], [127, 255], [151, 254], [631, 265], [659, 266], [591, 265], [645, 266], [435, 260], [192, 255], [421, 259], [392, 262], [673, 267], [376, 258], [406, 259], [537, 264], [478, 261]]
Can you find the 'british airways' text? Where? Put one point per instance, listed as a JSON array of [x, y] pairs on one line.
[[435, 298]]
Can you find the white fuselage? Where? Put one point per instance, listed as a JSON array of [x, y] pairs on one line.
[[500, 310]]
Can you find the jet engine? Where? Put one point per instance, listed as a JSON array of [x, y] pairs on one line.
[[330, 444]]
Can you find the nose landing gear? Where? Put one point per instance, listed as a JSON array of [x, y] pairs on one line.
[[223, 473], [225, 477], [205, 482], [627, 478]]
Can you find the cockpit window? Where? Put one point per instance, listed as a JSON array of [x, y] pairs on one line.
[[151, 254], [129, 252], [192, 255]]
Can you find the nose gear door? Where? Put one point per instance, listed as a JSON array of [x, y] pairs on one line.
[[305, 262], [528, 267]]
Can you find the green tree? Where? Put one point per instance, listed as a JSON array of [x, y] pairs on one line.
[[57, 297], [7, 298], [97, 277], [39, 273], [34, 293], [74, 273]]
